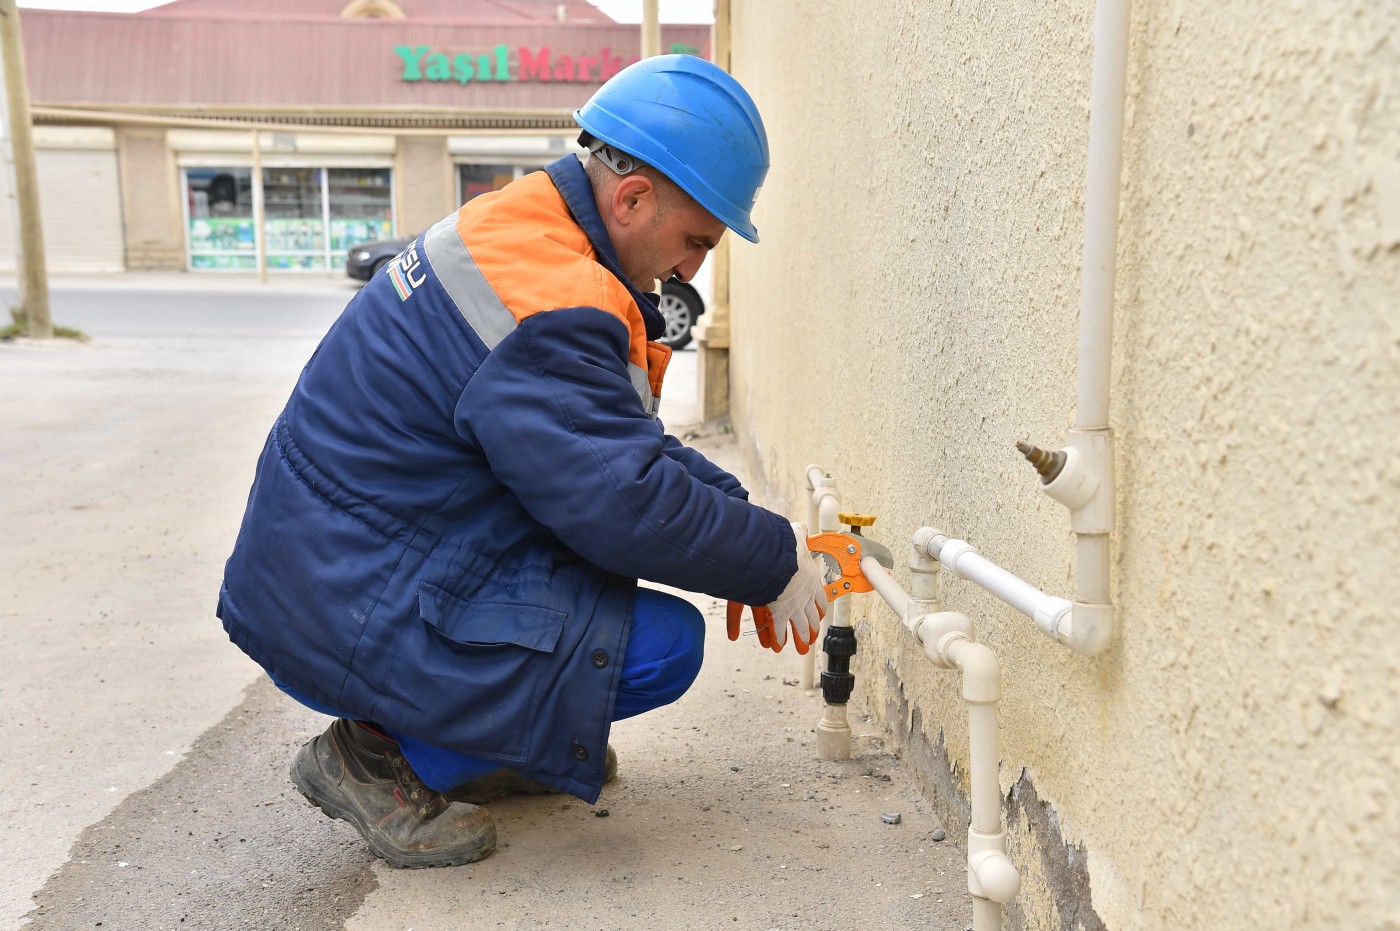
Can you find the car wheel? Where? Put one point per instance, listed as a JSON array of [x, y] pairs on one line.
[[378, 265], [680, 309]]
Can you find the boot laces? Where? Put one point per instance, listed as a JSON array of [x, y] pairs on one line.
[[427, 802]]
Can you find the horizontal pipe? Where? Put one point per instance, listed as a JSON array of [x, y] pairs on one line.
[[962, 559]]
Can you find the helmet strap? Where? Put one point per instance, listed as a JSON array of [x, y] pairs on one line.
[[620, 162]]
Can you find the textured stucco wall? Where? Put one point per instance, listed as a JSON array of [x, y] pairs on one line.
[[912, 311]]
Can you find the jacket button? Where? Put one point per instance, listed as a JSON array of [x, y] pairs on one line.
[[580, 753], [600, 659]]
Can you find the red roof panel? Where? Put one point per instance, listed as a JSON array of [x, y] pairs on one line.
[[96, 58], [444, 11]]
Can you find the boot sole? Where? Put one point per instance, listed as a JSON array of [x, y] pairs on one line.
[[395, 858]]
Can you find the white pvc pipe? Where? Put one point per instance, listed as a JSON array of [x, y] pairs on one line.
[[962, 559], [986, 791], [986, 915], [1091, 556], [992, 877], [823, 508], [1106, 98], [834, 728], [1089, 630], [886, 587]]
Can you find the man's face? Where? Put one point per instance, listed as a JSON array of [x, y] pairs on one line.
[[673, 241]]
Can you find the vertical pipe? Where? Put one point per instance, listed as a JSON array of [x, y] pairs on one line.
[[1091, 555], [807, 678], [986, 915], [1101, 212], [822, 517], [981, 672], [834, 728], [985, 774]]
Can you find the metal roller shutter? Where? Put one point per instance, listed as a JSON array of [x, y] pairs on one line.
[[80, 202]]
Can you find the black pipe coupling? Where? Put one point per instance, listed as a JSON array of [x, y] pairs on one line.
[[837, 680]]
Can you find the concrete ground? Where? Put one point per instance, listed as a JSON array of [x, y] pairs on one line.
[[145, 782]]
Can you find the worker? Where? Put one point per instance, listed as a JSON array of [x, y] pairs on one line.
[[448, 522]]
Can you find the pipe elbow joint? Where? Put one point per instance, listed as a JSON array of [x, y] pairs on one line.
[[950, 551], [938, 630], [980, 668], [927, 541], [992, 875], [1088, 629]]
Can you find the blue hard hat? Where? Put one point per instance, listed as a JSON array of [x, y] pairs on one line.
[[690, 120]]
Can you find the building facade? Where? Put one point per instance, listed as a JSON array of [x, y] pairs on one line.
[[213, 135], [1230, 762]]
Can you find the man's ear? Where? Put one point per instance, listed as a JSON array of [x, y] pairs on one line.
[[633, 198]]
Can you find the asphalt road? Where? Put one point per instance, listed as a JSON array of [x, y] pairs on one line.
[[144, 784]]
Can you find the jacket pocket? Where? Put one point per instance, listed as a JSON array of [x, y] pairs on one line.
[[482, 624], [469, 675]]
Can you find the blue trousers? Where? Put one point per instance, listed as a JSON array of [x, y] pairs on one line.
[[664, 653]]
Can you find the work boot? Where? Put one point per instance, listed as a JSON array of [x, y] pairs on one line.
[[502, 782], [356, 775]]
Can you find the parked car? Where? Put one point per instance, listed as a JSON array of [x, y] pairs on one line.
[[364, 260], [681, 304]]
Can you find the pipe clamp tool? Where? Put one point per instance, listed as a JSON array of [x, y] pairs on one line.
[[841, 553]]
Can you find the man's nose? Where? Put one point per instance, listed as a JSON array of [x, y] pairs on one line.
[[694, 259]]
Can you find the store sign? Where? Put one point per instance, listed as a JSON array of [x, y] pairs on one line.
[[421, 63]]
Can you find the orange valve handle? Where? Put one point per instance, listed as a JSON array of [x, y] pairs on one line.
[[844, 550]]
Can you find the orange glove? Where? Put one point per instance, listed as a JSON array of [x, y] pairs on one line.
[[768, 635], [801, 605]]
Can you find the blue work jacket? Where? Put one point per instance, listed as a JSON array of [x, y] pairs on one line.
[[449, 517]]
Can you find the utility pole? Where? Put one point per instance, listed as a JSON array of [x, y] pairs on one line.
[[33, 271], [651, 28]]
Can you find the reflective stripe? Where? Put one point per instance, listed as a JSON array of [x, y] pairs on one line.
[[483, 309], [650, 403], [460, 277]]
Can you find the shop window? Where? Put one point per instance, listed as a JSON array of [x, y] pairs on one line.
[[220, 210], [311, 216], [361, 206], [294, 218], [476, 180]]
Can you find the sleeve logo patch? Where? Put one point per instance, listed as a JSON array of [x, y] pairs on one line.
[[406, 272]]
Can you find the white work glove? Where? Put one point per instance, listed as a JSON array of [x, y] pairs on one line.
[[802, 604]]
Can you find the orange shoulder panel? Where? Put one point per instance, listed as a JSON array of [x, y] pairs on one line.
[[537, 258]]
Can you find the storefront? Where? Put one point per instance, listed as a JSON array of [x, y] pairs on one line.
[[366, 130]]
